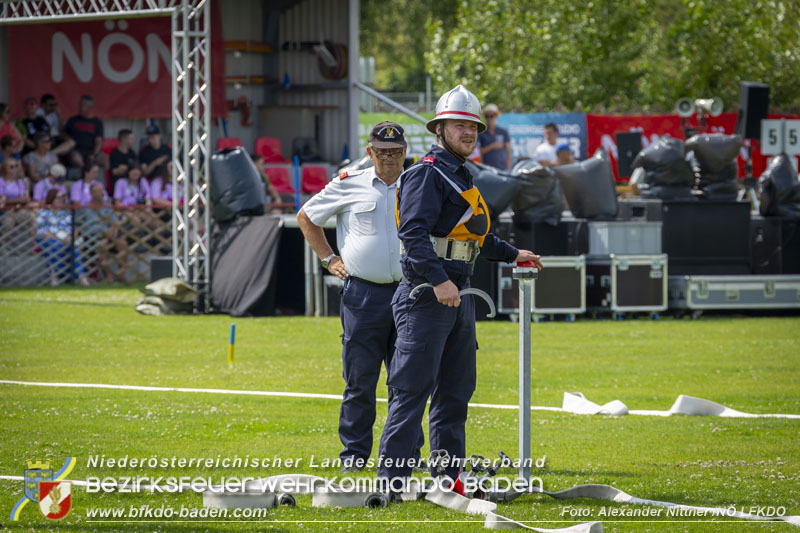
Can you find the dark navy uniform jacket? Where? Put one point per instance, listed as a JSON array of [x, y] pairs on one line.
[[428, 205]]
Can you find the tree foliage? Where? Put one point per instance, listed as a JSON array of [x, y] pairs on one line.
[[394, 34], [620, 55]]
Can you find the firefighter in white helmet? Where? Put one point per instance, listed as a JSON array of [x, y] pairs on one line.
[[443, 224]]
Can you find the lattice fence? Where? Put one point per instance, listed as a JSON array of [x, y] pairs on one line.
[[81, 245]]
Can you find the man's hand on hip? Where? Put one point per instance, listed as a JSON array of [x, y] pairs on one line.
[[447, 294], [336, 267]]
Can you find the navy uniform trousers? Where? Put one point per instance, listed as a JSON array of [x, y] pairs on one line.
[[434, 358], [367, 343]]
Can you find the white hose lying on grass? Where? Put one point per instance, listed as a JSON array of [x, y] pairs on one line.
[[575, 402]]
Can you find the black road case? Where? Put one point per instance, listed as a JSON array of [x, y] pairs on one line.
[[627, 283], [559, 289]]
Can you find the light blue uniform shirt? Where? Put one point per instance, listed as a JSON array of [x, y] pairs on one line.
[[366, 230]]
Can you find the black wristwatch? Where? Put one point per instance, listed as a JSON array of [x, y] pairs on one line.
[[327, 261]]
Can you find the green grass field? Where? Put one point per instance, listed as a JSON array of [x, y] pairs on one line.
[[95, 336]]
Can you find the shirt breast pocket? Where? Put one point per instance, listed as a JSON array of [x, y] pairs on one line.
[[362, 218]]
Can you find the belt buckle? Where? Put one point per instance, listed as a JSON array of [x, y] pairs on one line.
[[448, 252]]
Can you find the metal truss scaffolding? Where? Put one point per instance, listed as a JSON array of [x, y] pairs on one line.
[[191, 111]]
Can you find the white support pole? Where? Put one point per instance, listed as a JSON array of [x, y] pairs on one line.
[[352, 78]]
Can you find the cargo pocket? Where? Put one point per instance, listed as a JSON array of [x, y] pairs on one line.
[[409, 369], [362, 217]]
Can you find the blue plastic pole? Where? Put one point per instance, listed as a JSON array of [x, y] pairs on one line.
[[296, 184]]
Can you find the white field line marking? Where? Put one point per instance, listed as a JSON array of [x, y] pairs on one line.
[[728, 414], [232, 391]]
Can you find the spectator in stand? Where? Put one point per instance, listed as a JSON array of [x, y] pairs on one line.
[[101, 225], [494, 143], [545, 153], [8, 128], [39, 161], [30, 125], [133, 190], [49, 111], [54, 180], [258, 160], [87, 132], [75, 166], [14, 193], [161, 188], [123, 157], [81, 194], [153, 157], [7, 145], [54, 238], [13, 183], [35, 122], [564, 154]]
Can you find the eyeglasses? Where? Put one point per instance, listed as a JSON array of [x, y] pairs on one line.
[[490, 115], [383, 156]]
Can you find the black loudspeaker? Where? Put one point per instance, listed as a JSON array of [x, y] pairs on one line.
[[236, 186], [753, 107], [706, 237], [628, 146]]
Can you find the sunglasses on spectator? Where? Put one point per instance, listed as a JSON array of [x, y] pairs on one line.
[[490, 115], [394, 154]]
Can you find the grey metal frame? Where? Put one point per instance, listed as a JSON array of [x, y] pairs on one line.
[[525, 277], [191, 116]]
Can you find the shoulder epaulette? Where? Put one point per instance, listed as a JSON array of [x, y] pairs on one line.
[[351, 173]]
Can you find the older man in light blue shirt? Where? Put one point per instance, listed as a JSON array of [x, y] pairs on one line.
[[363, 202]]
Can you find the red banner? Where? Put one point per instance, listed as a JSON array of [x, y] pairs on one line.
[[124, 64], [601, 130]]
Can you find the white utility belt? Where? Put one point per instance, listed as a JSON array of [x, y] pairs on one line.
[[450, 249]]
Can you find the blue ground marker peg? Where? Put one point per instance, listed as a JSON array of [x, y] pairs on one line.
[[231, 345]]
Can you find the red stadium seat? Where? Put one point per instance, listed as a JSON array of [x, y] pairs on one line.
[[225, 143], [270, 149], [279, 178], [109, 144], [314, 179]]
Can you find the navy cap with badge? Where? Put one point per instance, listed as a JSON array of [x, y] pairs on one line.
[[152, 130], [387, 135]]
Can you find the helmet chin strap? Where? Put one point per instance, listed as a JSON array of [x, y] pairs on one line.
[[446, 146]]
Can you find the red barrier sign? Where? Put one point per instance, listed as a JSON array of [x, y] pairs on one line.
[[602, 130], [125, 64]]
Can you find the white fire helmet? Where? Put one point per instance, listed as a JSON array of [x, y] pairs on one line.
[[457, 104]]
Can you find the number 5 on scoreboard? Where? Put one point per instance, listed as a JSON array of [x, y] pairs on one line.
[[793, 137], [771, 137]]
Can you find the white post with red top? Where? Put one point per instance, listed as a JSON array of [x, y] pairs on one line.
[[525, 274]]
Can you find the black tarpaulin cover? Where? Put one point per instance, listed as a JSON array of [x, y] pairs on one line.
[[714, 165], [497, 187], [589, 187], [779, 189], [539, 198], [667, 173], [243, 255]]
